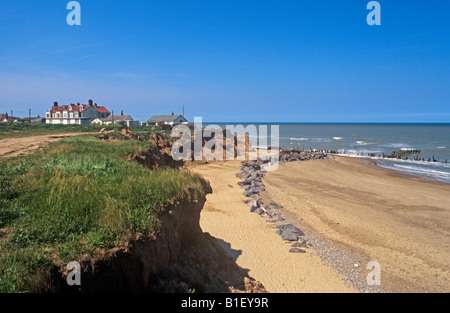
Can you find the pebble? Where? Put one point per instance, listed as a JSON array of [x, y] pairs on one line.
[[299, 245], [296, 250], [253, 203]]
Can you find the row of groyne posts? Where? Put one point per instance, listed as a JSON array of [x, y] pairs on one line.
[[293, 154], [398, 155]]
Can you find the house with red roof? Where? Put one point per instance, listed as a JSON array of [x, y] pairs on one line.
[[81, 114]]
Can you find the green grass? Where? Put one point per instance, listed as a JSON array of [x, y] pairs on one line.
[[16, 130], [73, 198]]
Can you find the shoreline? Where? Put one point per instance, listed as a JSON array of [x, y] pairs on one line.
[[401, 156], [421, 174], [431, 174], [333, 251]]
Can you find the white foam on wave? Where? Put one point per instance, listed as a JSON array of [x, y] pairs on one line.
[[363, 152], [321, 139], [419, 169], [298, 139], [408, 149], [409, 167], [435, 174], [431, 170], [337, 138], [398, 145]]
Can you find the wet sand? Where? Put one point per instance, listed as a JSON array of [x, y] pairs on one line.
[[353, 211]]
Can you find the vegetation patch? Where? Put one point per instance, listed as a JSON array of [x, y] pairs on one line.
[[77, 197]]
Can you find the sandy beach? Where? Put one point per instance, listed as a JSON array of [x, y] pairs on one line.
[[253, 242], [352, 211]]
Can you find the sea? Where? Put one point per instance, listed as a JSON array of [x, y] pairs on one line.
[[429, 142]]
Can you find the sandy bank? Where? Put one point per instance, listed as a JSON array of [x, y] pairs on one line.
[[254, 243]]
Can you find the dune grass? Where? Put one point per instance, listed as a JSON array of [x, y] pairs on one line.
[[73, 198]]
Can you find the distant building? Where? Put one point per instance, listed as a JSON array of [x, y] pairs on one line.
[[37, 119], [6, 118], [75, 114], [125, 120], [158, 120], [98, 121]]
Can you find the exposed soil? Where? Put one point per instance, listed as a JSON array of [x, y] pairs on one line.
[[11, 147], [179, 257]]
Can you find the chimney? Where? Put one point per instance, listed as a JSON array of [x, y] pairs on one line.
[[91, 103], [121, 113], [95, 104], [172, 113], [55, 104]]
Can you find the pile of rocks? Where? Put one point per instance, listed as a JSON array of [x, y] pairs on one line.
[[251, 174], [253, 171], [270, 211], [289, 155]]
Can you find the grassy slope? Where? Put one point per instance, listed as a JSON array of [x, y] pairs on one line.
[[73, 198], [16, 130]]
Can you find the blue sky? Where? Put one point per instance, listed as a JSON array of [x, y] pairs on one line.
[[241, 61]]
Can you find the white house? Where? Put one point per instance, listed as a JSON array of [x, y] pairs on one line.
[[75, 114], [167, 120], [125, 120], [98, 121]]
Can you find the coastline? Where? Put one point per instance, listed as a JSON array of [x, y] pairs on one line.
[[352, 212]]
